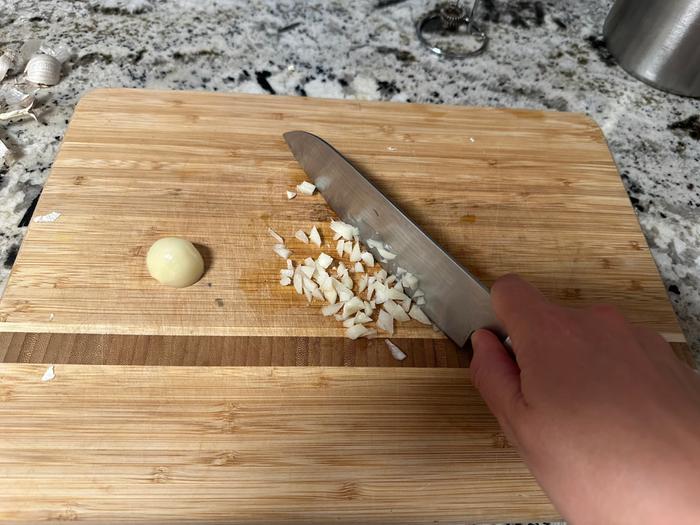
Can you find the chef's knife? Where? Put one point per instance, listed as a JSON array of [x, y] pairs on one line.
[[455, 300]]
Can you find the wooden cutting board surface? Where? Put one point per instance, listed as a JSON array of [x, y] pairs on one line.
[[255, 445], [502, 190]]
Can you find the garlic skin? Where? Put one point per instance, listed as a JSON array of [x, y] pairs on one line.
[[21, 113], [6, 63], [43, 69], [5, 153], [174, 262]]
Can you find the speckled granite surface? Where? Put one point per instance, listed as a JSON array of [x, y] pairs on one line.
[[544, 54]]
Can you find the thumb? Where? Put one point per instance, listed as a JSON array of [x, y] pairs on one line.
[[496, 375]]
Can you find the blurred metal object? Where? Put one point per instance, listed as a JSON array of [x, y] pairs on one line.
[[657, 41], [448, 19], [452, 15]]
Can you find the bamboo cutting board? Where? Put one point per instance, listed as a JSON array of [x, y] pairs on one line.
[[255, 445], [502, 190]]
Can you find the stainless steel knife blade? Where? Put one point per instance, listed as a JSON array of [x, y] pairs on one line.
[[455, 300]]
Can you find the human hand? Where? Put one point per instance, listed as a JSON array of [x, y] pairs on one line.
[[604, 414]]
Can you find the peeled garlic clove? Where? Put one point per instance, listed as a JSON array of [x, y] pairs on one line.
[[175, 262], [43, 69]]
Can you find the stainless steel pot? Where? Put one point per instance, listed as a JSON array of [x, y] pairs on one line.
[[658, 41]]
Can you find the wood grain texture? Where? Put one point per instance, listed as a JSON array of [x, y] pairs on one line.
[[153, 350], [502, 190], [255, 445]]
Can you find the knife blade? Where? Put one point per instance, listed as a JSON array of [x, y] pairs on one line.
[[455, 300]]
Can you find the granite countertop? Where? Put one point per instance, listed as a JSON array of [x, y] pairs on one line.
[[545, 54]]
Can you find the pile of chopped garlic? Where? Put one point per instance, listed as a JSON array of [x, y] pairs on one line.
[[365, 305]]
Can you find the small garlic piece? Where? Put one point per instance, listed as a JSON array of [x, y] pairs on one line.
[[315, 237], [409, 280], [306, 188], [385, 322], [357, 330], [395, 311], [362, 285], [355, 254], [331, 309], [368, 258], [353, 306], [49, 374], [361, 318], [282, 251], [324, 260], [418, 315], [396, 352], [346, 231], [302, 236], [275, 235], [297, 281], [49, 217]]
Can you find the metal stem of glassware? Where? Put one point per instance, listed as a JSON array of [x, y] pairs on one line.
[[451, 16], [471, 17]]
